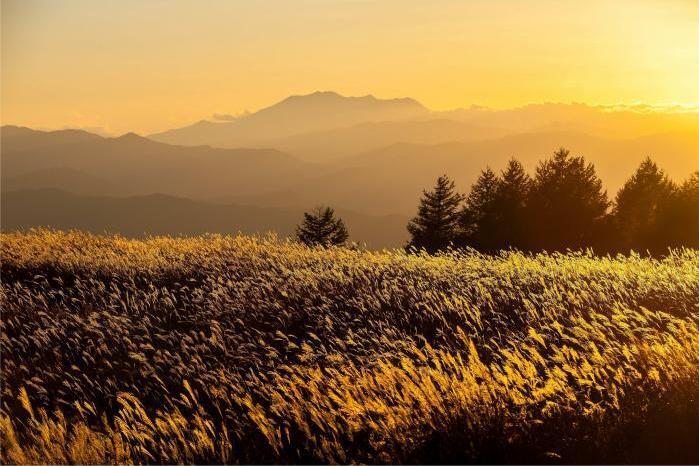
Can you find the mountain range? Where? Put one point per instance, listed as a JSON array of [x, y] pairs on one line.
[[160, 214], [294, 115], [370, 158]]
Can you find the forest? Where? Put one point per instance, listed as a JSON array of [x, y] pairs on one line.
[[563, 207]]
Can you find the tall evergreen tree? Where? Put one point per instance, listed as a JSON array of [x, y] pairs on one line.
[[480, 216], [566, 203], [436, 224], [511, 203], [321, 228], [678, 219], [494, 215], [688, 235], [638, 208]]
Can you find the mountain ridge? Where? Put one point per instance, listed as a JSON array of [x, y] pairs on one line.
[[163, 214], [295, 114], [381, 180], [139, 165]]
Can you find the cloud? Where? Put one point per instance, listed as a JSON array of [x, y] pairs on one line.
[[228, 116], [223, 117], [647, 108]]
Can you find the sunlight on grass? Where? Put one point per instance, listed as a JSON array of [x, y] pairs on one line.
[[220, 349]]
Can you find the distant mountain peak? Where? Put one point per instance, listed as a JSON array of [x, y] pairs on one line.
[[15, 129], [324, 93], [315, 97], [335, 96], [296, 114], [130, 135]]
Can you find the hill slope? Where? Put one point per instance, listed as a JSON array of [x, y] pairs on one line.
[[159, 214], [391, 179], [141, 166], [387, 180], [331, 145]]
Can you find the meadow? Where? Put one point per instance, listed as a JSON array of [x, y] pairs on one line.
[[223, 349]]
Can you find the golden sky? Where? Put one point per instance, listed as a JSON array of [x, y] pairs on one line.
[[152, 65]]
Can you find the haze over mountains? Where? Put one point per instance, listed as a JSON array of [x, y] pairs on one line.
[[369, 158], [293, 115], [160, 214], [141, 166], [325, 125]]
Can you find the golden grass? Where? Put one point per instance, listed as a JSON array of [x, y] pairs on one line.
[[223, 349]]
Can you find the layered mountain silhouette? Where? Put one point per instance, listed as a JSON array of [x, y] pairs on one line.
[[159, 214], [391, 179], [64, 178], [142, 166], [366, 157], [334, 144], [17, 138], [326, 125], [293, 115]]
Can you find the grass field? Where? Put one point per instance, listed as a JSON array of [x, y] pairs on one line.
[[235, 349]]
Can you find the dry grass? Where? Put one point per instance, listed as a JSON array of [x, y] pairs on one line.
[[235, 349]]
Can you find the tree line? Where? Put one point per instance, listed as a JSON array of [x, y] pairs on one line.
[[563, 206]]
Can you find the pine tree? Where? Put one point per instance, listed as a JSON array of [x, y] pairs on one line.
[[566, 204], [480, 216], [688, 201], [321, 228], [436, 224], [678, 218], [512, 194], [494, 215], [638, 208]]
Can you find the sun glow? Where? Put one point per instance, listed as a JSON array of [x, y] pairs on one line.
[[150, 66]]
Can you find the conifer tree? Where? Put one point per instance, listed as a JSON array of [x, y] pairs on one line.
[[480, 216], [688, 203], [321, 228], [678, 219], [566, 204], [638, 208], [512, 194], [436, 224]]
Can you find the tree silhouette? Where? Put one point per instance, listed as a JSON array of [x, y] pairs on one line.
[[513, 191], [566, 203], [437, 220], [480, 215], [321, 228], [494, 216], [563, 207], [678, 219], [688, 200], [639, 207]]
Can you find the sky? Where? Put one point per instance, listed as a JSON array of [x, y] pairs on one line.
[[147, 66]]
